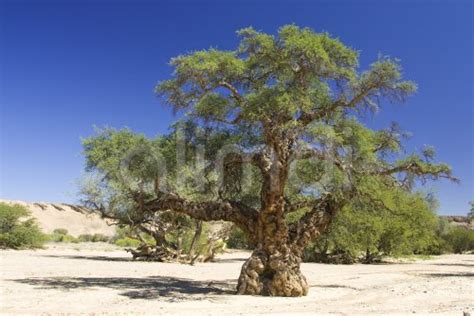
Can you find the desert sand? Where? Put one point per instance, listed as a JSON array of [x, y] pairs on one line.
[[99, 279], [76, 219]]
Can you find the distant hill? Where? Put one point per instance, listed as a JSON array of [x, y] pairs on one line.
[[76, 219], [459, 221]]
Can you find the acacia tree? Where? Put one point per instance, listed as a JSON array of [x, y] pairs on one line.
[[365, 231], [289, 102]]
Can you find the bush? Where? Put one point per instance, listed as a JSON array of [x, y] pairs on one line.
[[237, 239], [62, 238], [61, 235], [93, 238], [60, 231], [127, 242], [99, 238], [70, 239], [366, 233], [18, 234], [459, 240], [85, 238]]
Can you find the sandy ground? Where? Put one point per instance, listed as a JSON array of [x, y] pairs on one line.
[[102, 281]]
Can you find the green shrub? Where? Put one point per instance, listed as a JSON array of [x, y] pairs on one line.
[[99, 238], [127, 242], [61, 235], [60, 231], [93, 238], [69, 239], [85, 238], [62, 238], [17, 233], [459, 240], [362, 232], [237, 239]]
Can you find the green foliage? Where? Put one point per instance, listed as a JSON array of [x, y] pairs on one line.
[[17, 231], [285, 75], [93, 238], [127, 242], [85, 238], [61, 235], [184, 239], [69, 239], [459, 240], [451, 238], [10, 216], [470, 215], [237, 239], [301, 83], [368, 230], [60, 231], [120, 162]]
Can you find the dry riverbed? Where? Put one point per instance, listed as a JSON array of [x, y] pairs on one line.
[[100, 280]]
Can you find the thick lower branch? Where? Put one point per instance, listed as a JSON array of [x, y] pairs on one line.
[[243, 216], [313, 223]]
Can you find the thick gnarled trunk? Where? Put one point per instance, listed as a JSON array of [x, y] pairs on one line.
[[272, 274], [274, 267]]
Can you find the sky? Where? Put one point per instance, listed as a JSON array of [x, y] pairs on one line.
[[66, 66]]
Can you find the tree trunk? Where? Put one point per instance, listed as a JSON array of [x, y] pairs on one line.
[[274, 274], [274, 267]]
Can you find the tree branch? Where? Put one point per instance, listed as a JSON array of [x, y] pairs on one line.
[[307, 118], [298, 205], [308, 153], [243, 216], [420, 169], [233, 90], [316, 221]]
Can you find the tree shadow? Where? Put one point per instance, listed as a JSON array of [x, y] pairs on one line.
[[335, 286], [229, 260], [467, 265], [448, 275], [97, 258], [169, 289]]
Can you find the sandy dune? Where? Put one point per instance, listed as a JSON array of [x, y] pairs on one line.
[[76, 219], [102, 281]]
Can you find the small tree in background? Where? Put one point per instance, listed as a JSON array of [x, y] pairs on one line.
[[470, 214], [17, 230], [366, 231], [459, 240]]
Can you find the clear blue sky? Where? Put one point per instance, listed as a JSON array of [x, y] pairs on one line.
[[66, 66]]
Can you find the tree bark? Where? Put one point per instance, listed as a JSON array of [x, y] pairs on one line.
[[274, 267], [273, 274]]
